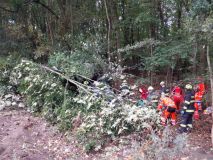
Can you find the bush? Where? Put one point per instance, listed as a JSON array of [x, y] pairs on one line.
[[159, 146], [43, 91], [113, 121], [167, 146], [78, 62], [45, 94], [98, 115], [7, 63]]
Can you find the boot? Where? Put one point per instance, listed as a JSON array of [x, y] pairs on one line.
[[182, 130], [189, 130]]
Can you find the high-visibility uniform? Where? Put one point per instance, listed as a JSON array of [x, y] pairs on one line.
[[177, 96], [169, 111], [199, 95], [188, 108], [198, 99], [201, 87]]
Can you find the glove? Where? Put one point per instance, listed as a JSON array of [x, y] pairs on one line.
[[184, 107]]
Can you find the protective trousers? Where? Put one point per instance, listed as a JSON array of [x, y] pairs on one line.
[[186, 121], [198, 104], [198, 99], [166, 115]]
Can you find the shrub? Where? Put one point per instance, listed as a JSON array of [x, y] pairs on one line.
[[43, 91], [98, 115], [45, 94], [159, 146], [6, 65], [116, 120], [78, 62]]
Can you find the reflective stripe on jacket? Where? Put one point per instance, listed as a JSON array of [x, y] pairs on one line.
[[189, 102]]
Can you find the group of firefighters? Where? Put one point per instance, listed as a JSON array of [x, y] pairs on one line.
[[187, 102]]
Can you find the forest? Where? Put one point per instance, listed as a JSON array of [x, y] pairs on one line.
[[73, 74]]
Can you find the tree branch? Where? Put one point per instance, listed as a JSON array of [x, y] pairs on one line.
[[32, 1], [8, 10], [47, 7]]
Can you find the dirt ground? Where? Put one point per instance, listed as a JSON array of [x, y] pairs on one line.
[[26, 137], [200, 139]]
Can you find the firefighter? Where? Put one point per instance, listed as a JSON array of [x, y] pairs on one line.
[[200, 91], [188, 110], [169, 109], [177, 96]]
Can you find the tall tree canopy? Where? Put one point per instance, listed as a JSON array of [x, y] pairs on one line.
[[166, 36]]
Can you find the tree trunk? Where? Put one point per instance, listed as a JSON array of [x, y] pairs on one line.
[[152, 31], [115, 30], [49, 26], [168, 75], [151, 74], [211, 81], [64, 18], [202, 59], [161, 16], [108, 31], [194, 60], [179, 15], [125, 28]]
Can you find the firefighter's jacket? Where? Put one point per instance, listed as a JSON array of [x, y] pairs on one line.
[[189, 102]]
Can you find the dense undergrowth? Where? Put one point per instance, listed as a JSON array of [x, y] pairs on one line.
[[46, 95], [94, 114]]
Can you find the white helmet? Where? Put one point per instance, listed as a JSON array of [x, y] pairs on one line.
[[124, 81], [188, 86], [150, 88], [162, 83]]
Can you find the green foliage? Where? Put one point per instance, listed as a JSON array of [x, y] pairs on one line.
[[81, 31], [200, 7], [147, 13], [113, 121], [167, 55], [90, 146], [77, 62], [96, 118], [4, 75], [44, 93], [6, 65], [78, 31]]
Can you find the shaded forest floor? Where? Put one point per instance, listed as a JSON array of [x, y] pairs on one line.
[[26, 137]]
